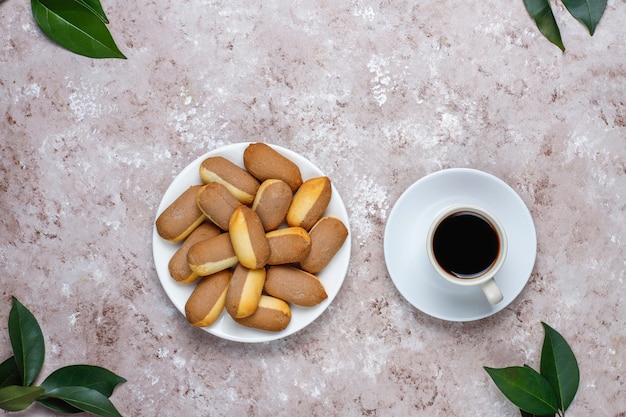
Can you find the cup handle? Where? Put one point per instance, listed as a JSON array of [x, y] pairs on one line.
[[491, 291]]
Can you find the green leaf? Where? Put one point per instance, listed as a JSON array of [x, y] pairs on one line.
[[541, 12], [588, 12], [9, 373], [86, 399], [96, 8], [88, 376], [27, 342], [559, 367], [75, 27], [527, 414], [18, 398], [58, 405], [525, 388]]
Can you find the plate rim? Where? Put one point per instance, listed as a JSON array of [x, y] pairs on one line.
[[342, 258], [475, 173]]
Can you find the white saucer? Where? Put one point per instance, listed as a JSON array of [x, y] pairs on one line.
[[225, 327], [405, 243]]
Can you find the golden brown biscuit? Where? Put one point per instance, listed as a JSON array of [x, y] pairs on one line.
[[212, 255], [327, 237], [288, 245], [248, 238], [309, 202], [264, 162], [237, 180], [294, 286], [272, 202], [181, 217], [244, 291], [272, 315], [206, 302], [178, 265], [217, 203]]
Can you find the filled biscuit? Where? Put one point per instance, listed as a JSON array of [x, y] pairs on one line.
[[212, 255], [236, 179], [181, 217], [309, 203], [294, 286], [206, 302], [248, 238], [272, 314], [327, 237], [272, 202], [264, 162], [217, 203], [244, 291], [178, 265], [288, 245]]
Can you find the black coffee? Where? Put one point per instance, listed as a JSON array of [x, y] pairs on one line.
[[465, 244]]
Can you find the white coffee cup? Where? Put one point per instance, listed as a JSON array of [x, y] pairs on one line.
[[467, 246]]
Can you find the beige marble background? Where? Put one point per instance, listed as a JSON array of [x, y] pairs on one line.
[[378, 95]]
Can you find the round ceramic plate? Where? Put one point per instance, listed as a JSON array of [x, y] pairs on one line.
[[225, 327], [405, 243]]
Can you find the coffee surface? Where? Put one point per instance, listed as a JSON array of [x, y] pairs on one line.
[[465, 244]]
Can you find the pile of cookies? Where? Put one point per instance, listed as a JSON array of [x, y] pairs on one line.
[[252, 239]]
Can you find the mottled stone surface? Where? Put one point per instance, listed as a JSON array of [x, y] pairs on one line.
[[378, 95]]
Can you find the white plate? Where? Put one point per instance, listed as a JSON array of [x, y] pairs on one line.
[[225, 327], [405, 243]]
